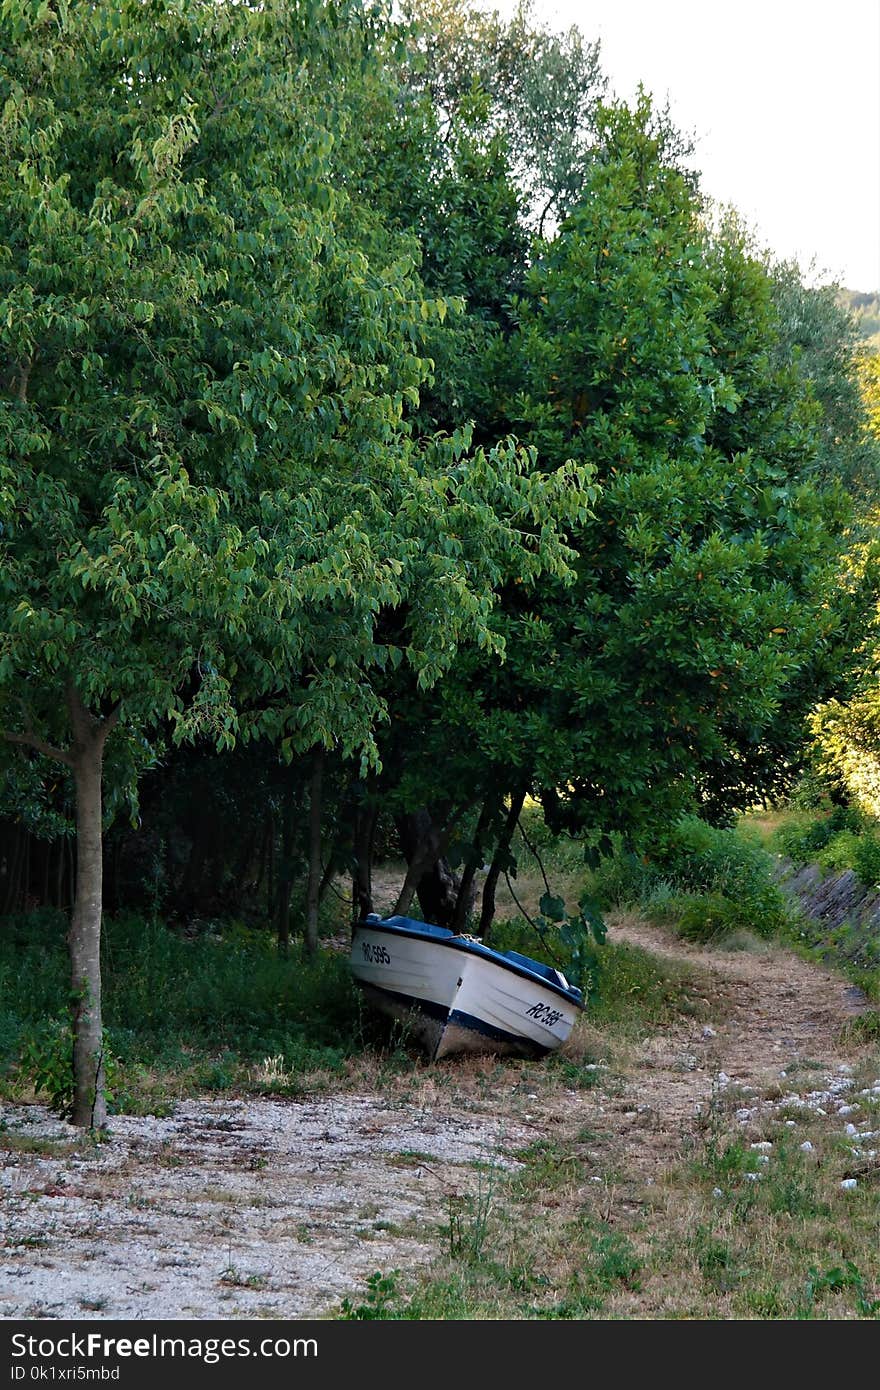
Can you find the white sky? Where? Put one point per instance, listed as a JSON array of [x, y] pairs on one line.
[[783, 97]]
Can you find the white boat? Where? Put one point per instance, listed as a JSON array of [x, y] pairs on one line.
[[457, 995]]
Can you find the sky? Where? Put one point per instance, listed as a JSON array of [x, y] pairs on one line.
[[783, 100]]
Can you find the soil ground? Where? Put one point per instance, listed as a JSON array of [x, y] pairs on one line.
[[279, 1208]]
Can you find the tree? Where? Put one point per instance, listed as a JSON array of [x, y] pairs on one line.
[[209, 495], [677, 672]]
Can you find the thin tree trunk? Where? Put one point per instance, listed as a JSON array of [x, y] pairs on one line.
[[84, 937], [487, 906], [270, 872], [44, 887], [362, 879], [314, 883], [26, 875], [85, 944], [12, 878], [59, 871], [328, 875], [261, 862], [70, 895], [465, 902], [285, 867]]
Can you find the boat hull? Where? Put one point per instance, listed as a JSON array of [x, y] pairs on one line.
[[455, 995]]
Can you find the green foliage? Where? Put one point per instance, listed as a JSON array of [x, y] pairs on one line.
[[379, 1300], [839, 838], [216, 1004], [623, 878], [703, 917], [803, 837], [835, 1280], [704, 859], [709, 881], [468, 1218], [46, 1063], [847, 743], [203, 422]]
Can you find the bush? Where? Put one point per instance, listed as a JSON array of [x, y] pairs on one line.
[[623, 879], [703, 917], [723, 867], [173, 1001], [712, 881], [803, 840]]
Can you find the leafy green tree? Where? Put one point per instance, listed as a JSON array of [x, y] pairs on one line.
[[702, 626], [209, 494], [678, 671]]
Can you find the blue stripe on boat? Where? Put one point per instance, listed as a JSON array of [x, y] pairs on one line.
[[460, 1018], [479, 1025]]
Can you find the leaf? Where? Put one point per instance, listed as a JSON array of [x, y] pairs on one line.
[[552, 907]]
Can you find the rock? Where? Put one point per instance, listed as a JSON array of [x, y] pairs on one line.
[[851, 1130], [849, 1183], [806, 1147]]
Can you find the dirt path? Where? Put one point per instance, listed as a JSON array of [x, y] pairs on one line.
[[279, 1208], [771, 1024]]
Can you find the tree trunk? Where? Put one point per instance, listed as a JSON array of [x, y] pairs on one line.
[[429, 873], [362, 879], [271, 885], [314, 883], [487, 907], [84, 937], [13, 860], [285, 866], [44, 886], [59, 872], [467, 887]]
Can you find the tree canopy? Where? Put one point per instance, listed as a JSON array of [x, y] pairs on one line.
[[380, 400]]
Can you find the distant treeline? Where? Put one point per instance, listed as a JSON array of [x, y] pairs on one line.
[[865, 309]]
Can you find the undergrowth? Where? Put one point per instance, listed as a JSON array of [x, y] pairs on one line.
[[187, 1013]]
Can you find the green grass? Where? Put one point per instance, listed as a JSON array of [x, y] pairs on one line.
[[183, 1014], [706, 882], [718, 1235]]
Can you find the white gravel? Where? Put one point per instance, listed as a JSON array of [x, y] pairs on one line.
[[230, 1209]]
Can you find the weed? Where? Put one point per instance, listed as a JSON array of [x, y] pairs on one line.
[[378, 1301], [467, 1219], [837, 1279], [237, 1278]]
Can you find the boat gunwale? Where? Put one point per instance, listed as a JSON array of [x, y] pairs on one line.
[[476, 948]]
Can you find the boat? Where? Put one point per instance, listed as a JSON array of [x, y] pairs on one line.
[[457, 995]]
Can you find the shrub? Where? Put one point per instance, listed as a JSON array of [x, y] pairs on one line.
[[804, 840], [732, 874], [711, 880], [703, 917], [622, 879]]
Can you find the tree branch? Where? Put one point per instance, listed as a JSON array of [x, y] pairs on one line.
[[24, 378], [33, 741]]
